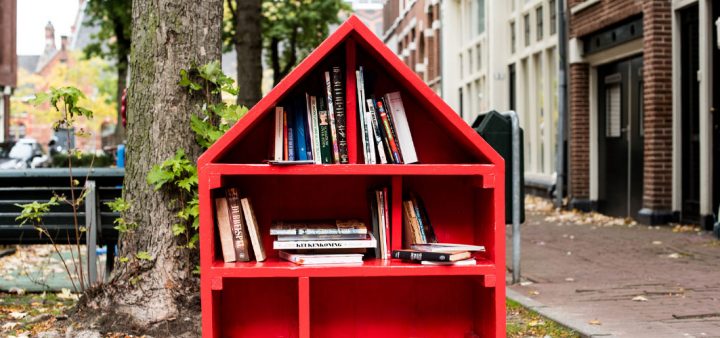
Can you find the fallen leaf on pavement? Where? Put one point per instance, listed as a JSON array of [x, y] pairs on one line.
[[9, 326], [526, 283], [534, 293], [640, 299], [657, 242], [594, 322], [569, 279], [674, 255], [18, 315]]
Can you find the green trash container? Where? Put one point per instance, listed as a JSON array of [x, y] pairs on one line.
[[496, 129]]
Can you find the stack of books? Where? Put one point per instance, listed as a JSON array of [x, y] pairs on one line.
[[326, 242], [384, 127], [439, 254], [416, 222], [312, 130], [238, 229]]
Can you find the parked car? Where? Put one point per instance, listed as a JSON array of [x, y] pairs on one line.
[[26, 153]]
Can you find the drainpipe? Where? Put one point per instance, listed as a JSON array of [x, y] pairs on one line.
[[562, 104]]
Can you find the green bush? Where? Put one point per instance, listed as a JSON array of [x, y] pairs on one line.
[[61, 161]]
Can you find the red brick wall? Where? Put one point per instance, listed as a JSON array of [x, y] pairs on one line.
[[657, 77], [579, 133], [602, 14]]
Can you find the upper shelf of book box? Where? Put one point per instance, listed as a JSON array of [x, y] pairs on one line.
[[440, 136]]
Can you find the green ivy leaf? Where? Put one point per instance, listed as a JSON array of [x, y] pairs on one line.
[[158, 177], [178, 229]]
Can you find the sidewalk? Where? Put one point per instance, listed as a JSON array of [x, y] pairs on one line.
[[607, 278]]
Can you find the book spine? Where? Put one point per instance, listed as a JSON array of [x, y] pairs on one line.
[[291, 144], [421, 228], [376, 132], [225, 230], [331, 114], [285, 136], [383, 135], [375, 221], [405, 141], [300, 145], [340, 116], [324, 126], [386, 206], [253, 230], [361, 115], [381, 220], [317, 152], [422, 215], [391, 119], [370, 136], [285, 238], [278, 156], [309, 135], [421, 256], [240, 236], [325, 244], [388, 131]]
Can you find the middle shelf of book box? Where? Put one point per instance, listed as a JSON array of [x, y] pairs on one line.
[[355, 201]]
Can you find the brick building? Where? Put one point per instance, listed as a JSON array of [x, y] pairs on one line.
[[412, 31], [620, 100], [8, 62]]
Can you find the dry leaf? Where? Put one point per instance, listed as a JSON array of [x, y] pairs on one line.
[[594, 322], [526, 283], [674, 255], [18, 315], [656, 242], [9, 325], [569, 279], [534, 293], [640, 299], [534, 323], [66, 294]]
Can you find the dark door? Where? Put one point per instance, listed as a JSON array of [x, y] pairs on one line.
[[620, 137], [690, 109]]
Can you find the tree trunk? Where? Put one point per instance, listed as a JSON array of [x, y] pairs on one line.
[[248, 45], [167, 36]]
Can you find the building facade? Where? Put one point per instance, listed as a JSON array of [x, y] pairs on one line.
[[8, 62], [695, 105], [620, 121]]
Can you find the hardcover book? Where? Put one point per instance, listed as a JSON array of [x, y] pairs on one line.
[[388, 131], [463, 262], [318, 228], [324, 127], [285, 238], [253, 230], [340, 118], [240, 235], [402, 128], [279, 143], [423, 219], [392, 128], [331, 114], [361, 116], [446, 247], [299, 131], [303, 259], [317, 152], [225, 229], [368, 242], [377, 132], [413, 255], [285, 136], [375, 219], [309, 136]]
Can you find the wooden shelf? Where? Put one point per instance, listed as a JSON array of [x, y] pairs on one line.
[[275, 267], [353, 169]]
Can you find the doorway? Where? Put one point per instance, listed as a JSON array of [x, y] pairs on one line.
[[690, 114], [620, 143]]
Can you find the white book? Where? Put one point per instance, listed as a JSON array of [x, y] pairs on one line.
[[309, 129], [361, 113], [446, 247], [469, 261], [369, 242], [371, 136], [302, 259], [378, 138], [315, 131], [402, 129], [253, 230], [279, 134]]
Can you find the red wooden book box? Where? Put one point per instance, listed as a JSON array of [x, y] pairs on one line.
[[459, 176]]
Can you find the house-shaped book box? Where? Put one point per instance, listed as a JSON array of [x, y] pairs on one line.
[[458, 175]]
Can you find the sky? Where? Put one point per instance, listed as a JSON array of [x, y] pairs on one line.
[[33, 15]]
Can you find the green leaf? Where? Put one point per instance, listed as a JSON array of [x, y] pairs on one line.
[[178, 229], [123, 259], [143, 255], [118, 205], [158, 177]]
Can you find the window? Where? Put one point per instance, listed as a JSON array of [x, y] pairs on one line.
[[480, 16], [553, 17], [612, 111], [527, 29], [512, 37], [539, 22], [470, 61], [479, 56]]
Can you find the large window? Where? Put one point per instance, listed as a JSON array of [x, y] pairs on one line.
[[539, 22], [526, 20], [553, 17], [477, 15], [513, 37]]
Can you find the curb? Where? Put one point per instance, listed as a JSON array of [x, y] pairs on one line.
[[584, 329]]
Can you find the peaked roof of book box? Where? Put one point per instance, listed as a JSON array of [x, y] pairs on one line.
[[446, 119]]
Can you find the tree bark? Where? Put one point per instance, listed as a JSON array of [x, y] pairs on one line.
[[248, 45], [167, 36]]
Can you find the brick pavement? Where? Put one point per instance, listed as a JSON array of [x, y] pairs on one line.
[[592, 272]]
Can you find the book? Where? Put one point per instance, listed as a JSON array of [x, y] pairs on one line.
[[324, 127], [386, 231], [291, 136], [423, 219], [284, 238], [224, 229], [291, 162], [446, 247], [309, 136], [285, 136], [253, 230], [413, 255], [299, 131], [375, 220], [392, 128], [412, 231], [303, 259], [376, 132], [318, 228], [361, 116], [340, 118], [368, 242], [381, 223], [416, 218], [240, 236], [383, 134], [462, 262], [279, 143], [331, 115], [402, 128], [317, 153], [380, 108]]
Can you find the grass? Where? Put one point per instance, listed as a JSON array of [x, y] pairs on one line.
[[522, 322], [28, 314]]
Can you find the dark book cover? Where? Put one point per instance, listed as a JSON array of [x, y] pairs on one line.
[[291, 135], [414, 255], [390, 117], [324, 127], [380, 107], [340, 118], [383, 133], [300, 138], [423, 218], [240, 235]]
